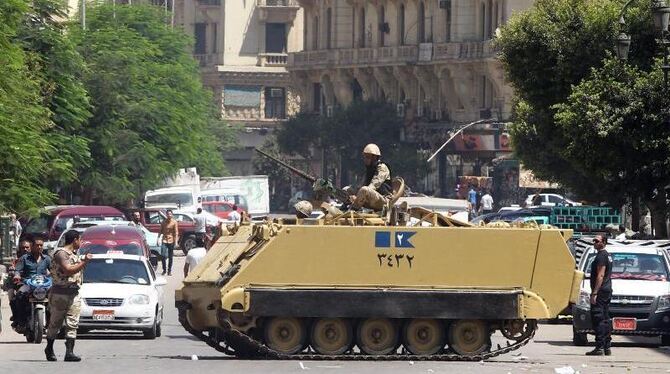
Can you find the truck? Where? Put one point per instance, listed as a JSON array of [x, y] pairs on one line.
[[252, 188]]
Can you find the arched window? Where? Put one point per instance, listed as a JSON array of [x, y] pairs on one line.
[[401, 25], [421, 23], [447, 21], [329, 28], [315, 36], [382, 25]]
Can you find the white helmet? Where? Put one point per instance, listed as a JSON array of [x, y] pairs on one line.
[[372, 149]]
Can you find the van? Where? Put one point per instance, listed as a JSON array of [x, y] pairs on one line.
[[184, 198], [56, 219]]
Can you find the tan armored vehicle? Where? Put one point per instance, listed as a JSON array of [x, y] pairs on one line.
[[362, 286]]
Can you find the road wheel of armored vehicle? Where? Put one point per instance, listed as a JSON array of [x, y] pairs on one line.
[[517, 329], [285, 335], [469, 337], [377, 336], [424, 336], [332, 336]]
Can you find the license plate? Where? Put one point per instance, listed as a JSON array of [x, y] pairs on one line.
[[624, 323], [103, 315]]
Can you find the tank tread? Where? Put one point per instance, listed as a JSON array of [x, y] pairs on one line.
[[247, 347], [241, 345]]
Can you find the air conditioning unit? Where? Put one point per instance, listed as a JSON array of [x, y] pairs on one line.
[[444, 4], [276, 92], [329, 111], [400, 110]]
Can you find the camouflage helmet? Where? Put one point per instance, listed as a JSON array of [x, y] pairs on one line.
[[304, 207], [372, 149]]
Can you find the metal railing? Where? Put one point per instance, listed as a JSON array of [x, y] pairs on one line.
[[277, 3], [272, 59]]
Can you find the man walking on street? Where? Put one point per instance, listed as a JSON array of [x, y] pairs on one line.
[[170, 237], [64, 301], [200, 225], [487, 203], [601, 294], [15, 230], [194, 256]]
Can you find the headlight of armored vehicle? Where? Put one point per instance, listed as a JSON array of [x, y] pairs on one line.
[[584, 301], [40, 293], [663, 303]]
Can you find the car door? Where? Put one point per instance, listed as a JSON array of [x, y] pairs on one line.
[[152, 220], [157, 289]]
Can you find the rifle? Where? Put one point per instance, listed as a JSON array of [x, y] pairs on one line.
[[318, 184]]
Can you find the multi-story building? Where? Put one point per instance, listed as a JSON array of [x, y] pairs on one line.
[[433, 59], [242, 47]]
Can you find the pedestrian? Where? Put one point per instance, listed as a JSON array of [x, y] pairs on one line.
[[537, 199], [64, 302], [15, 230], [200, 224], [487, 203], [137, 220], [601, 294], [167, 239], [235, 216], [472, 200], [622, 233], [195, 256], [377, 185], [24, 247]]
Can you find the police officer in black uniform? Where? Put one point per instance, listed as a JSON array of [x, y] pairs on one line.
[[601, 294]]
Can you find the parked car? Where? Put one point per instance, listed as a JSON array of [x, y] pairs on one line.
[[513, 215], [127, 240], [220, 209], [121, 292], [225, 195], [641, 292], [56, 219], [551, 199]]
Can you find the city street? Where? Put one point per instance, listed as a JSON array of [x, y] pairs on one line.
[[176, 350]]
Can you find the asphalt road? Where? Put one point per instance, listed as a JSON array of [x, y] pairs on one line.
[[550, 352]]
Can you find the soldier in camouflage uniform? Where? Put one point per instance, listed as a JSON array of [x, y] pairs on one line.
[[64, 302], [377, 185]]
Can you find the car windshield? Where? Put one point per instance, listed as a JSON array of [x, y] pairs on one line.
[[126, 249], [641, 266], [175, 198], [111, 270]]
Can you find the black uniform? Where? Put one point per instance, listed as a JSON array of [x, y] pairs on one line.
[[600, 314]]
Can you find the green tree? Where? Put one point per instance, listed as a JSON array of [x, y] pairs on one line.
[[151, 114], [546, 52], [52, 58], [23, 121], [344, 135]]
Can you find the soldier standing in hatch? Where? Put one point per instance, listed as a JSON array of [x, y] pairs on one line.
[[64, 301], [377, 186]]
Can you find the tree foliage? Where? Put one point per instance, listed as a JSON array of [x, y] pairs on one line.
[[344, 135], [151, 114]]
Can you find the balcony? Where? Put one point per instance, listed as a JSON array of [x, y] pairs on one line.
[[426, 53], [277, 11], [272, 59]]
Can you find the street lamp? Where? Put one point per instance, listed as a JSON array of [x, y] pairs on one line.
[[661, 13]]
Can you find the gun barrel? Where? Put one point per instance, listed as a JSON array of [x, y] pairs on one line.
[[295, 170]]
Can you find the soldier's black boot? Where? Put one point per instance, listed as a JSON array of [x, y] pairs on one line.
[[49, 350], [595, 352], [69, 351]]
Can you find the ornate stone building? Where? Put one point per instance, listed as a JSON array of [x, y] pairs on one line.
[[433, 59], [242, 47]]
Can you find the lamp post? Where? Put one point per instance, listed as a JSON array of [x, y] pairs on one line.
[[661, 13]]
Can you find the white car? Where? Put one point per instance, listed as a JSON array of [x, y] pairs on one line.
[[552, 199], [121, 292], [640, 291]]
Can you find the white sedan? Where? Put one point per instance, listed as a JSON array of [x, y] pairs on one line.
[[121, 292]]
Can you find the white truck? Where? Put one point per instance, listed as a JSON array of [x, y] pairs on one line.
[[252, 189]]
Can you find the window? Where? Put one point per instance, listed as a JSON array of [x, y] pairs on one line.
[[421, 23], [401, 24], [200, 38], [361, 36], [447, 20], [382, 25], [640, 266], [275, 103], [329, 28], [315, 37], [182, 218], [214, 36], [353, 27], [275, 38], [555, 199]]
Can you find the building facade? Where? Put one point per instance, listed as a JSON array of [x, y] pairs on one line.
[[433, 59], [242, 47]]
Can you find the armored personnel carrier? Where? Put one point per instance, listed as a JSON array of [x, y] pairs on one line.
[[415, 285]]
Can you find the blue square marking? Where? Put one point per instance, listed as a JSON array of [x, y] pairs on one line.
[[382, 239]]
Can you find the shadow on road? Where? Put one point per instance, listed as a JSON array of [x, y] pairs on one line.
[[564, 343], [103, 336]]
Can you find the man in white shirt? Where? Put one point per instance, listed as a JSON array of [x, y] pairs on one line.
[[487, 203], [200, 224], [195, 256], [234, 215]]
